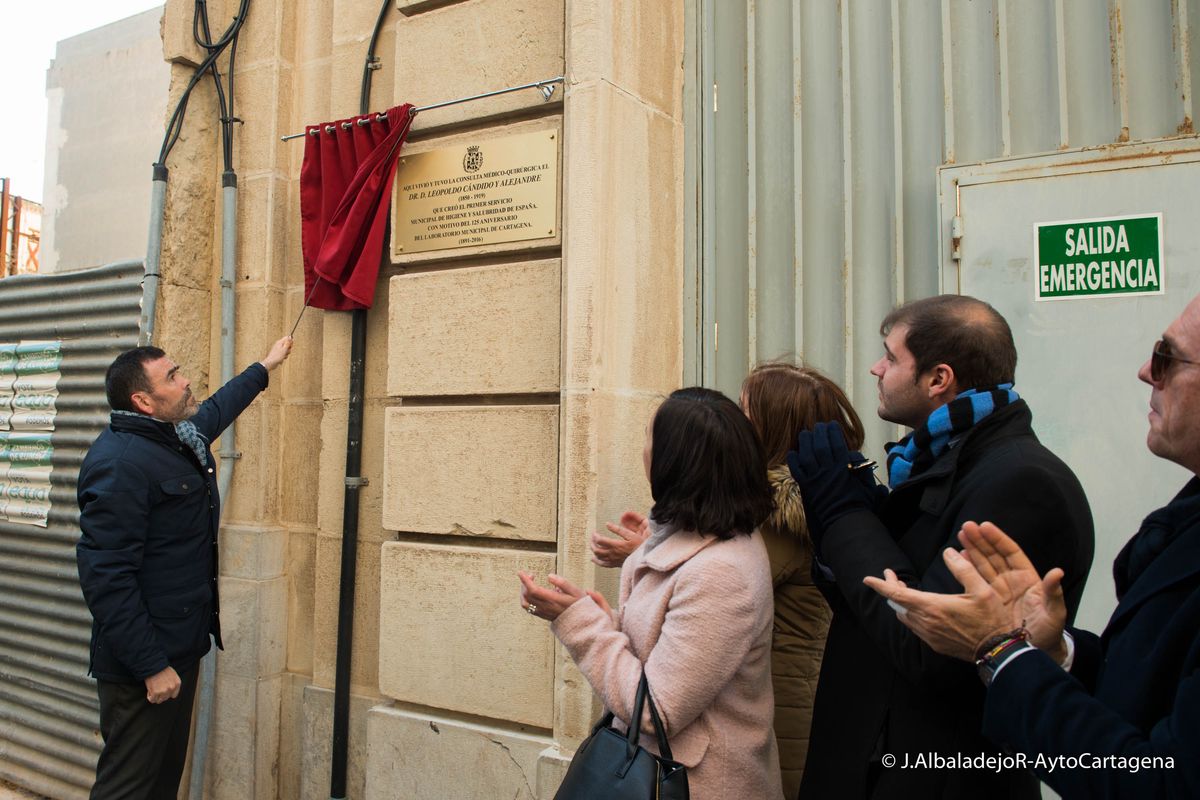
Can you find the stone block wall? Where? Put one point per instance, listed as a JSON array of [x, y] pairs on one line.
[[507, 389], [471, 470], [269, 519]]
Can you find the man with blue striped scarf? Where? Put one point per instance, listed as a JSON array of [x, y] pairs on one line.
[[892, 718]]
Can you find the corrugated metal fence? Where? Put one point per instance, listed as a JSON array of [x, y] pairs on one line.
[[818, 128], [49, 715]]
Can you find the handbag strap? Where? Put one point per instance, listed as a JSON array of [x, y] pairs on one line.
[[604, 722], [664, 748], [634, 731]]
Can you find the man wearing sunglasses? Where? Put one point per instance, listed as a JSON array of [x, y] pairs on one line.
[[1114, 715]]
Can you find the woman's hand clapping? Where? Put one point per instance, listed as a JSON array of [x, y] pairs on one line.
[[631, 531], [547, 603]]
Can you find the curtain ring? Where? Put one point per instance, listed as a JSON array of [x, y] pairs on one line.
[[329, 129]]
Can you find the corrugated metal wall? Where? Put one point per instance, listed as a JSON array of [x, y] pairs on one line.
[[49, 715], [818, 127]]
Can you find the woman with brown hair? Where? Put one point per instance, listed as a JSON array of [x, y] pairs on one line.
[[780, 400]]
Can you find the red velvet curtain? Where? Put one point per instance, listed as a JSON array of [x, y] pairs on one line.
[[345, 194]]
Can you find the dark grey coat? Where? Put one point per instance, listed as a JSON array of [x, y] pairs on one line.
[[882, 691], [1133, 692]]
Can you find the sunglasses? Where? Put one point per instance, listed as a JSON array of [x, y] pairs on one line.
[[1161, 358]]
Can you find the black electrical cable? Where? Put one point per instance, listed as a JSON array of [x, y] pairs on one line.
[[227, 117], [200, 15], [215, 50], [340, 738], [231, 117], [175, 124], [364, 100], [232, 31]]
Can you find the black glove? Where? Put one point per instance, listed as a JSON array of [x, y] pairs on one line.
[[833, 480]]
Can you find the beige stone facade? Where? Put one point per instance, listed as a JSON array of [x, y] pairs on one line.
[[507, 388]]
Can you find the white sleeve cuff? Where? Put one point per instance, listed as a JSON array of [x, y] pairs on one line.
[[1069, 660], [1066, 664]]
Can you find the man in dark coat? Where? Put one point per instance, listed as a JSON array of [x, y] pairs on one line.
[[1115, 715], [888, 709], [147, 558]]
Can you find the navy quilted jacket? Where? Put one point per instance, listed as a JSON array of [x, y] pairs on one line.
[[147, 555]]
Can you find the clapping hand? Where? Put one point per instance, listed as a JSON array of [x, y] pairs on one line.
[[631, 531], [547, 603], [1002, 592], [1036, 603]]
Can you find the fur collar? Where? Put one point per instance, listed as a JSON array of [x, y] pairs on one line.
[[788, 515]]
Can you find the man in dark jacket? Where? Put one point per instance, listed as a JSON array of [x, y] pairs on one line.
[[1115, 715], [889, 710], [147, 557]]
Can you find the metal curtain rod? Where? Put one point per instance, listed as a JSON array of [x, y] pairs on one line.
[[546, 87]]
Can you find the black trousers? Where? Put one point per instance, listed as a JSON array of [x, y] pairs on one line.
[[145, 745]]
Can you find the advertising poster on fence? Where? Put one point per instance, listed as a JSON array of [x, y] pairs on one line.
[[29, 375], [8, 375], [35, 386]]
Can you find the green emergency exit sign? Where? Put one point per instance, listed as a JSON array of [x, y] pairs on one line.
[[1099, 257]]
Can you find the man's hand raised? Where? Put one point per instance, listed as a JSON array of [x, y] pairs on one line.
[[1038, 603], [279, 353]]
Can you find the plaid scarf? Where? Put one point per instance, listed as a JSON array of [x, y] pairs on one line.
[[187, 433], [916, 452]]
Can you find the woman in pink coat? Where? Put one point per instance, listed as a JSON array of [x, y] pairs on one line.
[[695, 603]]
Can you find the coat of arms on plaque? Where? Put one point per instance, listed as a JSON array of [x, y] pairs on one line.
[[473, 160]]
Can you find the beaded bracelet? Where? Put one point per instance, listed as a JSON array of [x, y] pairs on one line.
[[992, 654]]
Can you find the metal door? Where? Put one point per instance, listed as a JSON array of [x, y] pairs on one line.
[[1078, 357]]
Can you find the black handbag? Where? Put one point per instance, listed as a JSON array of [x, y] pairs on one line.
[[611, 766]]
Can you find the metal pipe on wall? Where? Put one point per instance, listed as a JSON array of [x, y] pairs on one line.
[[158, 205], [229, 455], [340, 742], [228, 451]]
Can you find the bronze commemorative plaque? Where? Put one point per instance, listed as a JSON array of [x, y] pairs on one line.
[[489, 192]]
